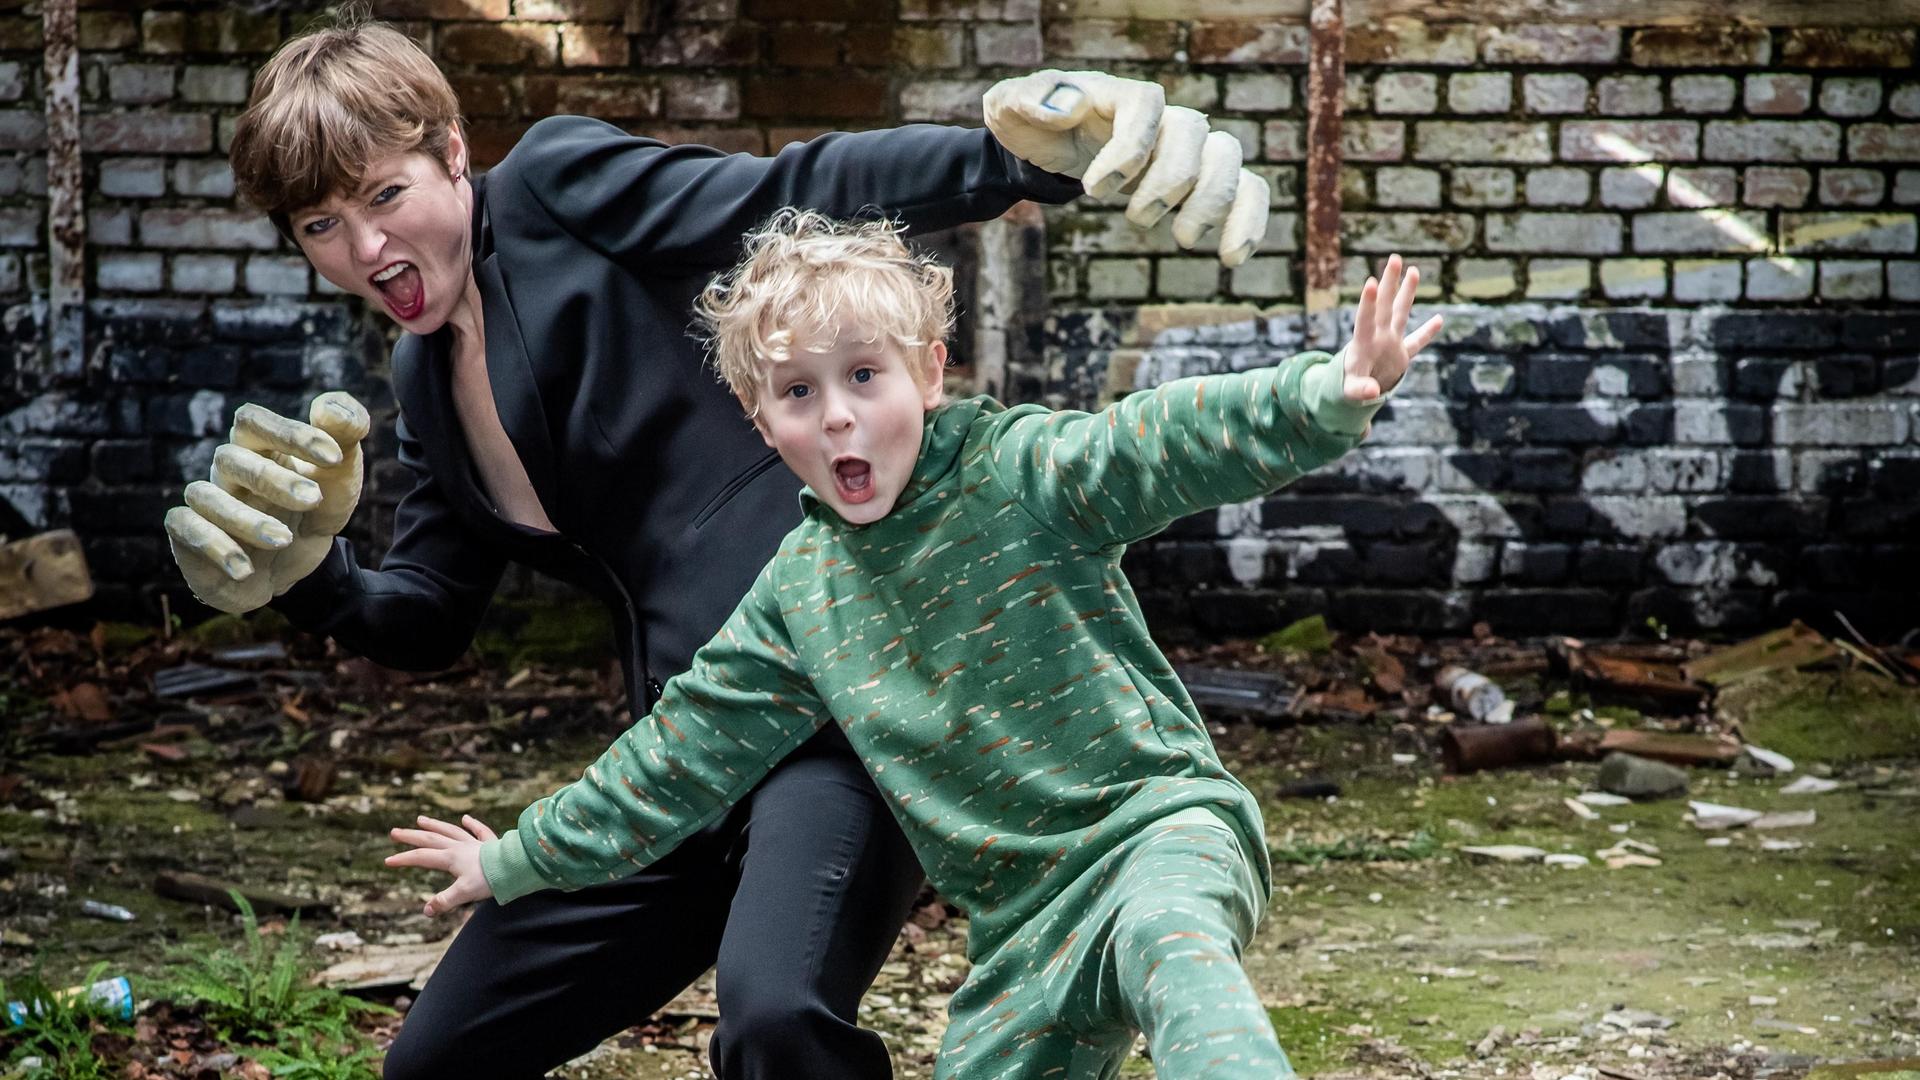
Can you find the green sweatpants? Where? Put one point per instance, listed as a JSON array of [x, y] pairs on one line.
[[1148, 940]]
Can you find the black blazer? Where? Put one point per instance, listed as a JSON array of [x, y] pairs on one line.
[[590, 246]]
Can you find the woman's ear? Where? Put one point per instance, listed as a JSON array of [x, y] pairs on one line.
[[456, 151]]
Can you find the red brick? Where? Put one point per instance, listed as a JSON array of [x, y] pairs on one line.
[[594, 45], [224, 32], [1772, 185], [609, 96], [503, 44], [572, 10], [1884, 142], [489, 140], [20, 33], [1824, 47], [778, 137], [869, 46], [481, 95], [732, 140], [841, 97], [493, 10], [107, 30], [925, 48], [1616, 141], [146, 133], [806, 46], [1246, 43], [731, 45], [820, 10]]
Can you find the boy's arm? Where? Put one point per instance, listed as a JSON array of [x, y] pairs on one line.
[[676, 209], [717, 730], [1157, 455]]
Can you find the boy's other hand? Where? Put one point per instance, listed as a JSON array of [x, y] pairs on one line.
[[1119, 136], [1381, 348], [455, 849]]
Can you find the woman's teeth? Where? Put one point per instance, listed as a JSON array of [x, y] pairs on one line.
[[389, 273]]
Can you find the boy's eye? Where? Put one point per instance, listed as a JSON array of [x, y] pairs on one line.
[[864, 374], [798, 390]]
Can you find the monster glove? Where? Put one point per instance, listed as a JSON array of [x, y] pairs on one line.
[[278, 493], [1120, 136]]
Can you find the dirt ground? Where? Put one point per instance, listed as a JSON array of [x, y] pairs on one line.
[[1388, 950]]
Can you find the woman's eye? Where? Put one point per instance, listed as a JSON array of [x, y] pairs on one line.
[[317, 226], [386, 194]]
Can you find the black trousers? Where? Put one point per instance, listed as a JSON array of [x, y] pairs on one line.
[[796, 896]]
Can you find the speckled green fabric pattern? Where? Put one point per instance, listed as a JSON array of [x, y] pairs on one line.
[[981, 649]]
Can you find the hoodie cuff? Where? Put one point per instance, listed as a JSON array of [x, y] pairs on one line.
[[510, 874], [1323, 386]]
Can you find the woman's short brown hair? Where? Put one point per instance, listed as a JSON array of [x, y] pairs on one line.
[[329, 104]]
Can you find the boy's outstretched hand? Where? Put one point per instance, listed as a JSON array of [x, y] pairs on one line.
[[440, 845], [1381, 347]]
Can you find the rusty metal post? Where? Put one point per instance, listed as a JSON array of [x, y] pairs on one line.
[[66, 206], [1326, 96]]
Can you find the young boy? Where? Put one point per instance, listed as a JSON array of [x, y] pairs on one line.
[[953, 600]]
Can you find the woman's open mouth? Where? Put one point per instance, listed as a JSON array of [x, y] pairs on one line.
[[401, 288], [853, 480]]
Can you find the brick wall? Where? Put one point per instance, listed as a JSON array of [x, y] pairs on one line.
[[1679, 266]]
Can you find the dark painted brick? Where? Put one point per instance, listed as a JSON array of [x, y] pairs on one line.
[[129, 362], [1880, 519], [1536, 564], [1544, 470], [1648, 424], [1245, 612], [1548, 611], [1846, 376], [212, 366], [1609, 564], [1895, 477], [1874, 330], [1407, 564], [275, 365], [1626, 330], [1327, 564], [1770, 330], [1558, 375], [1408, 611], [123, 461], [1516, 424], [1760, 517], [1486, 469], [1766, 378], [1358, 516]]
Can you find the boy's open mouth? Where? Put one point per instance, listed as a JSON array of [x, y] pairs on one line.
[[853, 479], [399, 285]]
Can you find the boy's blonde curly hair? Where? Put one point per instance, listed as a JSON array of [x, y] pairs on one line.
[[804, 279]]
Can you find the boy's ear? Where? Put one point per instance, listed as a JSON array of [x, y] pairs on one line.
[[759, 422], [933, 389]]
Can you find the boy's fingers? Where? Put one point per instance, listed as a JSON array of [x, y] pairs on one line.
[[1424, 336], [1389, 288], [1403, 303], [445, 828], [478, 828], [421, 859], [1363, 318], [421, 839]]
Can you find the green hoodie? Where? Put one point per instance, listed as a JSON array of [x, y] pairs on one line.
[[979, 646]]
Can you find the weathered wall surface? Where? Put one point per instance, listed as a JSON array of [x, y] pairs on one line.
[[1681, 379]]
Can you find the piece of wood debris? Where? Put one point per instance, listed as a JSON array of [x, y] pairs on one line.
[[41, 572]]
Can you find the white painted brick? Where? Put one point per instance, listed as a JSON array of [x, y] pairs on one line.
[[1885, 233], [1850, 279], [137, 178], [140, 84], [1554, 234], [277, 275], [1850, 96], [1485, 279], [1188, 279], [214, 84], [13, 81], [208, 177], [1614, 471], [203, 273], [1905, 101], [1247, 131], [1259, 93], [1491, 141], [1554, 94], [1558, 279], [1630, 187], [1643, 516], [1779, 278], [1772, 141], [202, 228], [1013, 44], [1406, 92], [140, 271], [1480, 92], [1852, 187], [1119, 279], [1483, 186], [1701, 423], [1702, 231], [1629, 95], [1406, 187], [1261, 277], [1767, 185], [1628, 278], [1704, 93], [1906, 187], [1697, 280], [1776, 93], [1194, 91], [1700, 187], [1903, 281], [1560, 186], [1830, 424]]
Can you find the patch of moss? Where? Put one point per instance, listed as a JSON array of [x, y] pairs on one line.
[[517, 633], [221, 631], [1826, 716], [1310, 635]]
